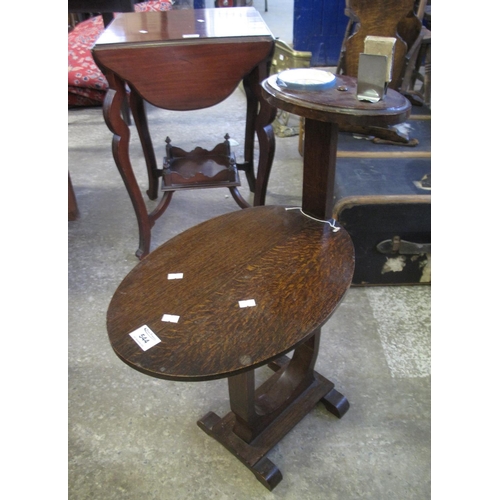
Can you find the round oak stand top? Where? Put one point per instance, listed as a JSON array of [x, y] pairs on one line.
[[292, 270], [338, 104]]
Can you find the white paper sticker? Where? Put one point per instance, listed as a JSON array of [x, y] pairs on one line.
[[170, 318], [175, 276], [145, 337], [247, 303], [194, 35]]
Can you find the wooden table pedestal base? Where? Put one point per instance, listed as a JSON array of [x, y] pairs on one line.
[[261, 418]]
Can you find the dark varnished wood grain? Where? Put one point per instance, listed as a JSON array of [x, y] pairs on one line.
[[296, 269], [174, 25], [194, 80]]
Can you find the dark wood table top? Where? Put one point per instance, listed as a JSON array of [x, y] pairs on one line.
[[295, 269], [184, 59], [338, 106], [185, 26]]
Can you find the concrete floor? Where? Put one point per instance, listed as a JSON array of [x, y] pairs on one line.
[[133, 437]]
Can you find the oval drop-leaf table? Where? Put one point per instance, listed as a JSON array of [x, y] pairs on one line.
[[183, 60]]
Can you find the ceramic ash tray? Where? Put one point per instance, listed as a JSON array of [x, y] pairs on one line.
[[305, 79]]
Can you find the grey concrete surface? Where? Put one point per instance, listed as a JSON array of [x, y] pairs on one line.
[[132, 437]]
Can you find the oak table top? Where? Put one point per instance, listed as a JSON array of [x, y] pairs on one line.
[[295, 269]]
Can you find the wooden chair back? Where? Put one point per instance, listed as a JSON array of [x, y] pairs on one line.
[[389, 18]]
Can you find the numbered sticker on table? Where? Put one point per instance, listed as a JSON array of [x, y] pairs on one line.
[[247, 303], [145, 337], [175, 276]]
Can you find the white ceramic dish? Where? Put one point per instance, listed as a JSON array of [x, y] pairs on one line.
[[305, 79]]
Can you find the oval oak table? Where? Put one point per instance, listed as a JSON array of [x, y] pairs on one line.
[[230, 295], [325, 111]]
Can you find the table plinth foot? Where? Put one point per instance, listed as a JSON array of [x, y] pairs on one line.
[[336, 403], [267, 473], [253, 453], [253, 457]]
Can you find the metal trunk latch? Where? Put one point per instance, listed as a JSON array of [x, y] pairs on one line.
[[402, 247]]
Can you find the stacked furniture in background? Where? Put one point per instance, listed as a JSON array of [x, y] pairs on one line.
[[383, 181], [383, 198]]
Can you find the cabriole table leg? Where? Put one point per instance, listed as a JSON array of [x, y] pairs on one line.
[[120, 146]]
